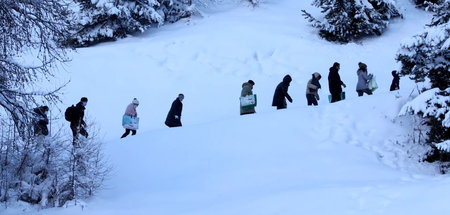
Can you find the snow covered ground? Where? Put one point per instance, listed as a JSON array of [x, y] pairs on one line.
[[351, 157]]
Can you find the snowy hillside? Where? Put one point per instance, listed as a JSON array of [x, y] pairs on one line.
[[350, 157]]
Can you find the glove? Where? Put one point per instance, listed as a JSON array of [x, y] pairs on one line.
[[317, 97], [177, 117], [344, 85], [290, 100]]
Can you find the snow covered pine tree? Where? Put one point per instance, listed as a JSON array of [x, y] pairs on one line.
[[426, 58], [350, 20], [106, 20]]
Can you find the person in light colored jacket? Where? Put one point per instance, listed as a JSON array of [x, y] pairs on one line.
[[311, 89], [363, 80], [247, 89], [131, 111]]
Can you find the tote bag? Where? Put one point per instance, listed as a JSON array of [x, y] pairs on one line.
[[248, 101], [129, 122]]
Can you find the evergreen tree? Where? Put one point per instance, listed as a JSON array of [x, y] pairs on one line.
[[105, 20], [426, 58], [346, 21], [428, 4]]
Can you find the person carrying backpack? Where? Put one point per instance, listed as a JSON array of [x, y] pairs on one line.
[[281, 93], [363, 80], [131, 112], [40, 121], [75, 115], [311, 89], [247, 89], [173, 118]]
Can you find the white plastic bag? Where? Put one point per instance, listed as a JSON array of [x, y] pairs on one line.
[[373, 84]]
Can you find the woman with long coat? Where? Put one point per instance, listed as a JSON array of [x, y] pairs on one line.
[[173, 118], [363, 80], [281, 93]]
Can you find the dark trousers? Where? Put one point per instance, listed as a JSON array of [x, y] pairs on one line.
[[361, 92], [311, 99], [127, 132], [335, 97], [77, 129]]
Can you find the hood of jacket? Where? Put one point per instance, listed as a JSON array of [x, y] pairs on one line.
[[246, 84], [317, 76], [287, 79]]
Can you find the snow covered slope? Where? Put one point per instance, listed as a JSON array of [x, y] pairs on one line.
[[344, 158]]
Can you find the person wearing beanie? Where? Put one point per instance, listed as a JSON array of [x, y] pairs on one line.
[[311, 89], [77, 124], [281, 93], [363, 80], [130, 111], [173, 118], [247, 88], [395, 81]]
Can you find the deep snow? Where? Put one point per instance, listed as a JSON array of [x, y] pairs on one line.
[[351, 157]]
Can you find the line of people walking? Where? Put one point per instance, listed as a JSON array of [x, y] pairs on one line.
[[130, 121]]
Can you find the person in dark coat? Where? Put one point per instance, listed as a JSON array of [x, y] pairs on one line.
[[396, 81], [174, 116], [281, 93], [335, 82], [77, 125], [311, 89], [247, 89], [40, 121]]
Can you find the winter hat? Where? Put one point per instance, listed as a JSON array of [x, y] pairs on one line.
[[135, 101], [394, 72], [84, 99], [362, 66], [181, 96], [336, 64], [251, 82]]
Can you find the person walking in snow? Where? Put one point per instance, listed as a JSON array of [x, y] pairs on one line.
[[174, 116], [281, 93], [395, 81], [247, 88], [77, 124], [40, 121], [363, 80], [335, 83], [312, 96], [131, 112]]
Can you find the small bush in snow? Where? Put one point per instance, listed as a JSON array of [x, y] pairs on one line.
[[48, 171], [346, 21]]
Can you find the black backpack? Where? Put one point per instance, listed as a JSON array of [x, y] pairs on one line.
[[70, 113]]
